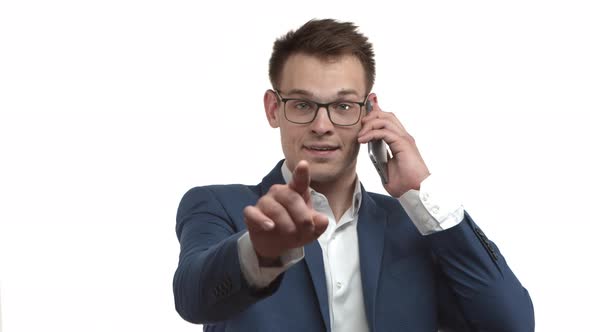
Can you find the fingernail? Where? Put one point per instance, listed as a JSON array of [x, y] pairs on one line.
[[268, 225]]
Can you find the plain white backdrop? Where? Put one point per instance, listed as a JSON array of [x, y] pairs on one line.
[[111, 110]]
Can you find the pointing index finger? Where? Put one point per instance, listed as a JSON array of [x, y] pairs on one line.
[[301, 179]]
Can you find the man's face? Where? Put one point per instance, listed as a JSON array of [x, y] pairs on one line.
[[331, 150]]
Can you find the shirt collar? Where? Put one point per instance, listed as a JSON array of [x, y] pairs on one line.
[[356, 196]]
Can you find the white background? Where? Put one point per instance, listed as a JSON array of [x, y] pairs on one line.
[[111, 110]]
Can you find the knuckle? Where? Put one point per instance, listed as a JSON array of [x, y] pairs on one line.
[[305, 220], [292, 227], [274, 189], [289, 199], [268, 206], [248, 212], [281, 193], [273, 211], [288, 229], [277, 189], [292, 197], [264, 201]]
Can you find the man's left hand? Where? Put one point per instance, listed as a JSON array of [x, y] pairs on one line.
[[406, 170]]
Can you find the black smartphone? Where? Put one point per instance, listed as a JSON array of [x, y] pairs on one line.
[[378, 153]]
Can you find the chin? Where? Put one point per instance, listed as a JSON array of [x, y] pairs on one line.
[[324, 173], [323, 178]]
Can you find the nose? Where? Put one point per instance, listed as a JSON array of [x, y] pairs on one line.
[[322, 124]]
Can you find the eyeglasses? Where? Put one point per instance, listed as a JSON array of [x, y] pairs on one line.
[[302, 111]]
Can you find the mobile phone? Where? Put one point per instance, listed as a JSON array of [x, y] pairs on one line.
[[378, 153]]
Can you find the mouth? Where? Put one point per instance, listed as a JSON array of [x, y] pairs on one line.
[[320, 149]]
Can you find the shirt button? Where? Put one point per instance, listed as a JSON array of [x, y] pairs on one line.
[[338, 285], [435, 209], [425, 197]]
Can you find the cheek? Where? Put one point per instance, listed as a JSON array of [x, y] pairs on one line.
[[290, 139], [354, 149], [353, 146], [351, 137]]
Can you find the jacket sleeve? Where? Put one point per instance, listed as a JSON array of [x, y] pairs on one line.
[[208, 284], [479, 292]]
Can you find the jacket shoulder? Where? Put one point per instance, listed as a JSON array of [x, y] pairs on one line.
[[220, 192], [226, 195], [221, 202], [385, 201], [222, 189]]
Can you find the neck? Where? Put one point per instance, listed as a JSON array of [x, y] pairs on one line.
[[338, 192]]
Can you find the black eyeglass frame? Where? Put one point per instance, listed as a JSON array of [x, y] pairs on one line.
[[320, 105]]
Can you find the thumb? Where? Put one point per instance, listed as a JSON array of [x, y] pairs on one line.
[[320, 222]]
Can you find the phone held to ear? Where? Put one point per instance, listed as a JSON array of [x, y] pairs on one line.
[[378, 153]]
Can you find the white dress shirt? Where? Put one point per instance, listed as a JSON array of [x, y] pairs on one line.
[[429, 209]]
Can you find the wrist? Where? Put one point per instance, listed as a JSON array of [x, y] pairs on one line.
[[269, 261]]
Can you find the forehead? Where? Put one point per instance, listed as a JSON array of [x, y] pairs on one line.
[[323, 78]]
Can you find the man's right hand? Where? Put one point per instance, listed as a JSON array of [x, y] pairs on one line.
[[284, 219]]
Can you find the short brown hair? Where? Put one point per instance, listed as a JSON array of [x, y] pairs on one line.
[[325, 39]]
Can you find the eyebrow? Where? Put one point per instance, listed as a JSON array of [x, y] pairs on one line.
[[343, 92]]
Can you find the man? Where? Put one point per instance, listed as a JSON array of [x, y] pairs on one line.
[[308, 249]]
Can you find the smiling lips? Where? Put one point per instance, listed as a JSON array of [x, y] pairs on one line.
[[320, 149]]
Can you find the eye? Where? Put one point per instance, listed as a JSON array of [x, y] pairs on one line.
[[302, 105], [343, 106]]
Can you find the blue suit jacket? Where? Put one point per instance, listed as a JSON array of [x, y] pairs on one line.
[[454, 280]]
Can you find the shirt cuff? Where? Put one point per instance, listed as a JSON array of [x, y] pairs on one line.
[[434, 207], [261, 277]]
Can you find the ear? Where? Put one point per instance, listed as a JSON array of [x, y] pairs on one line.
[[373, 99], [271, 107]]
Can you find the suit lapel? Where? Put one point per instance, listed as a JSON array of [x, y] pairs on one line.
[[274, 177], [371, 238], [313, 252], [315, 264]]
